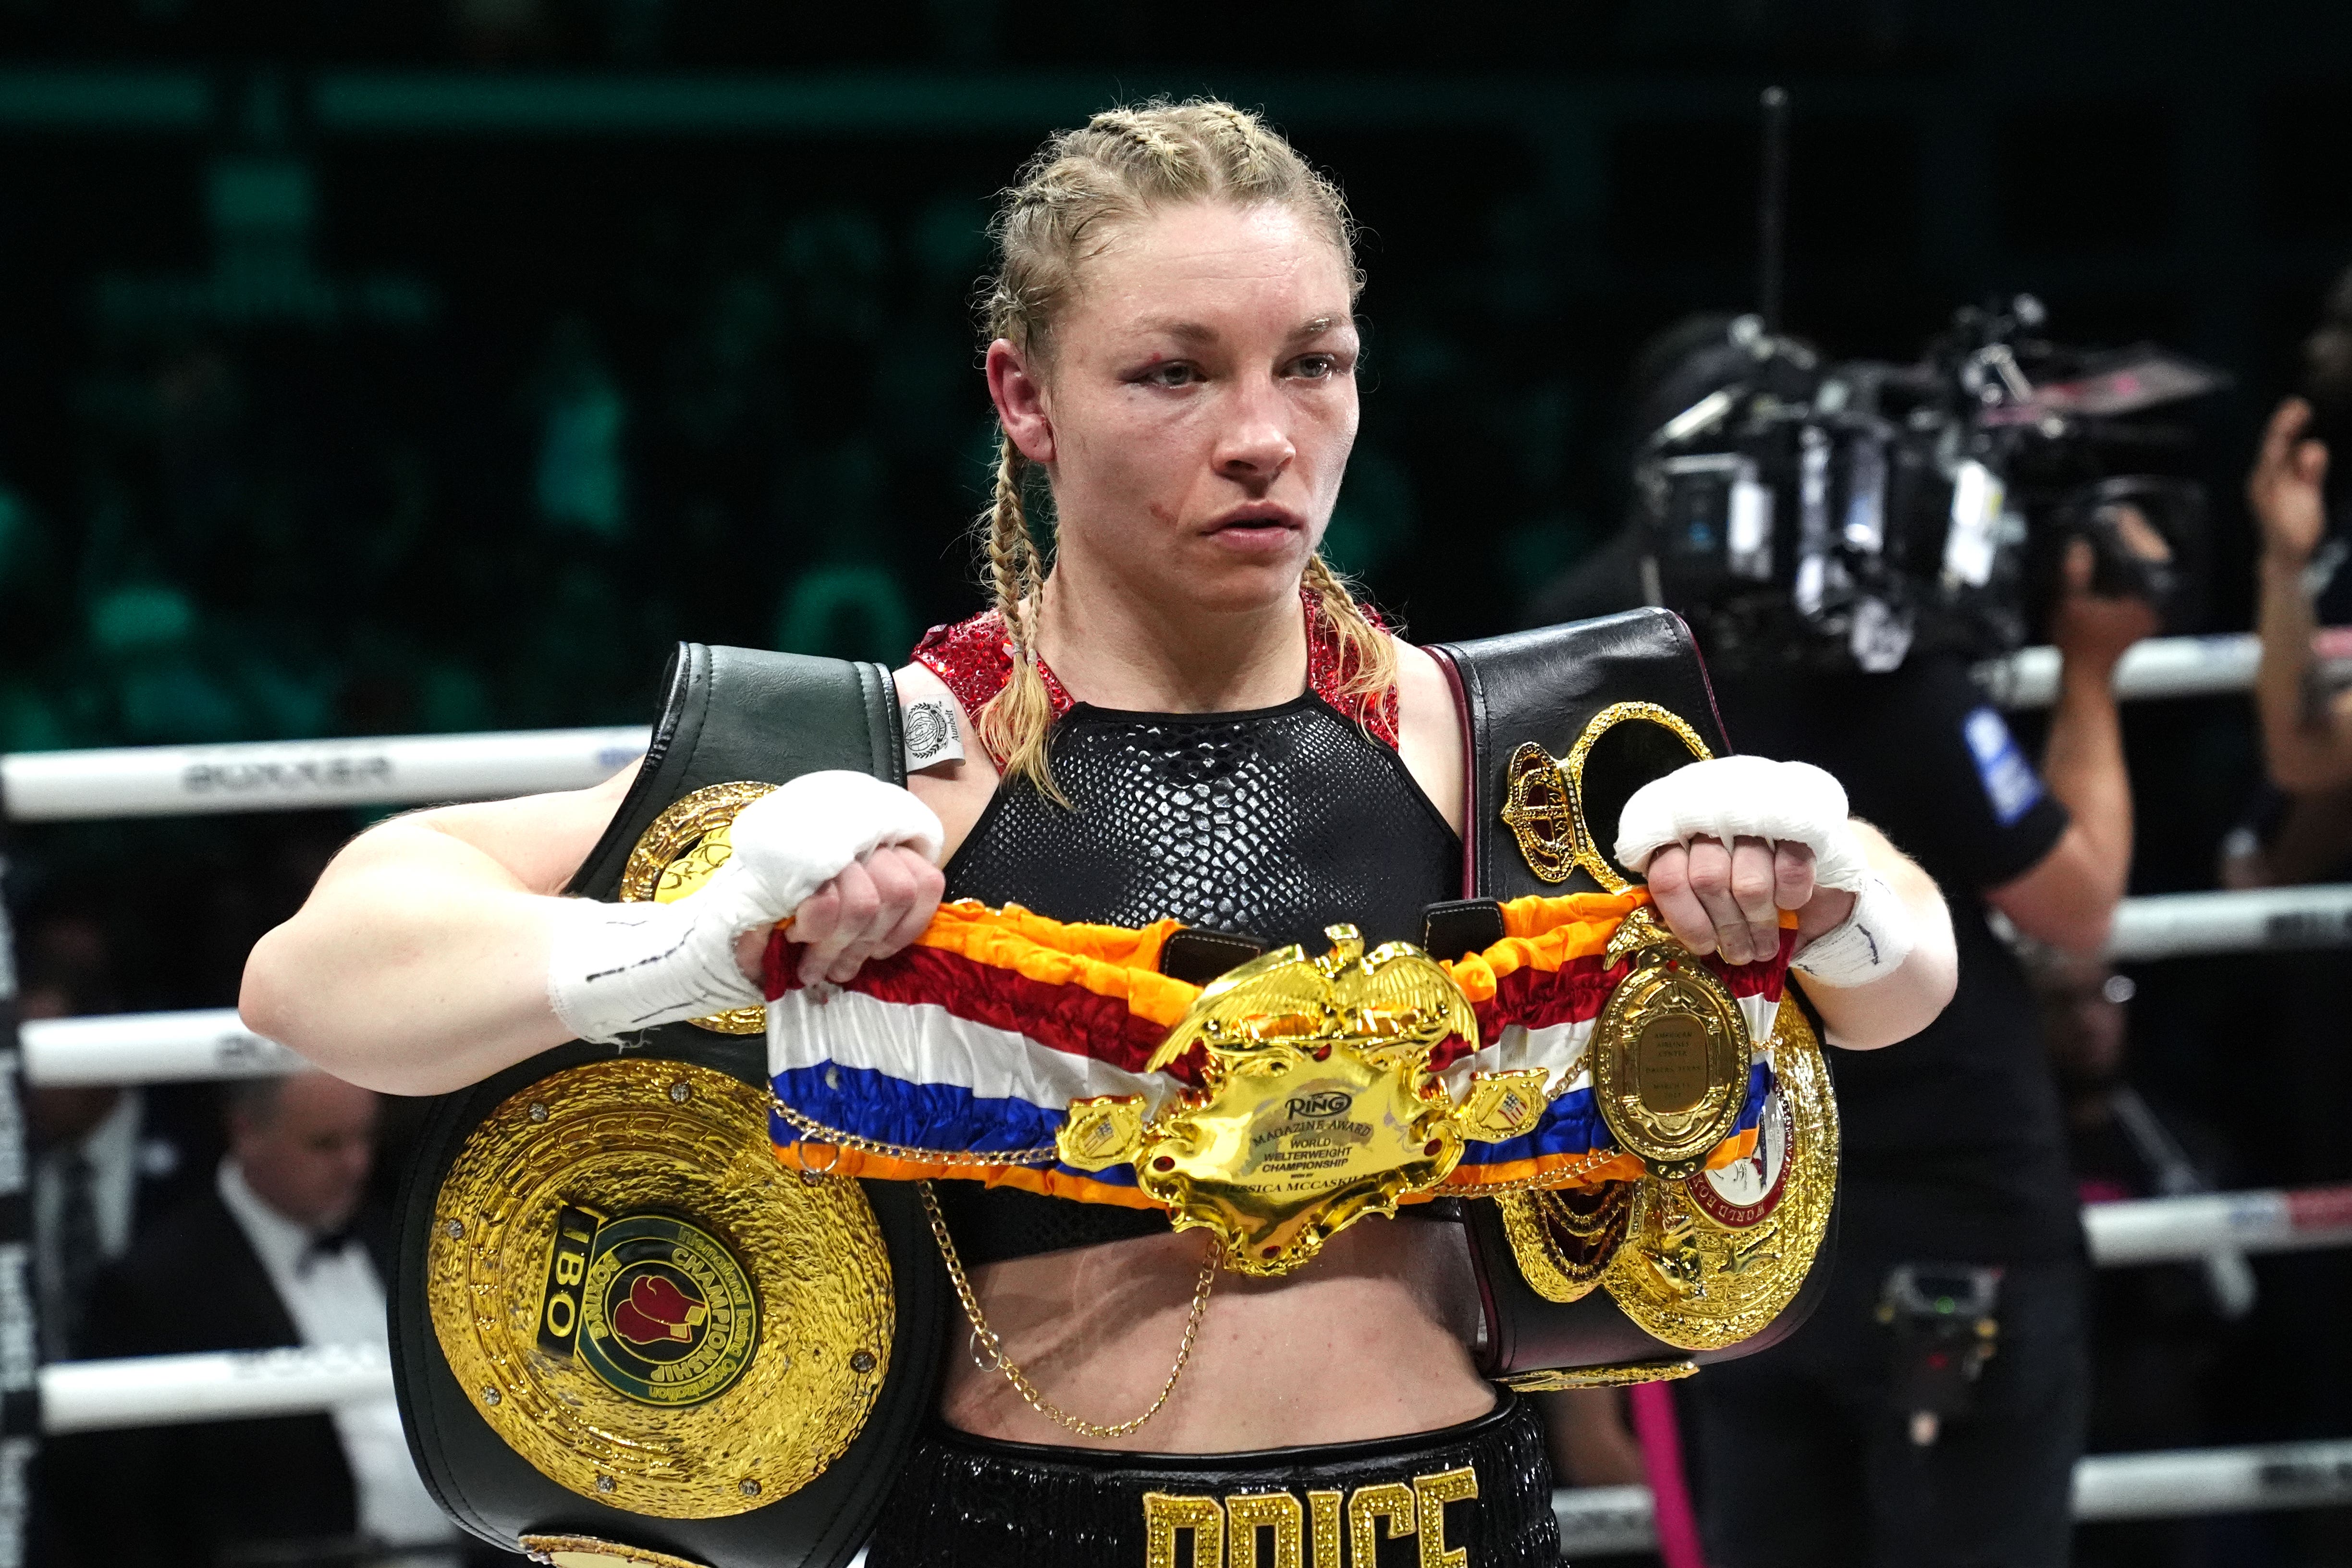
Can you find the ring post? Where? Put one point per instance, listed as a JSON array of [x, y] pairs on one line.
[[20, 1399]]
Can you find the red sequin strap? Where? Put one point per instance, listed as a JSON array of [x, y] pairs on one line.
[[973, 659], [1329, 663]]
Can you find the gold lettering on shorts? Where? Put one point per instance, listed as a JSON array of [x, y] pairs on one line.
[[1226, 1535], [1323, 1508], [1432, 1494], [1245, 1514], [1369, 1504], [1164, 1514]]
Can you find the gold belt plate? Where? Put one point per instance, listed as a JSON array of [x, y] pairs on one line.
[[676, 856], [1669, 1054], [593, 1552], [1711, 1258], [1543, 796], [641, 1302], [1564, 1240], [1315, 1103]]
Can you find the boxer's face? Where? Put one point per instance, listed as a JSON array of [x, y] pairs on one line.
[[1198, 407]]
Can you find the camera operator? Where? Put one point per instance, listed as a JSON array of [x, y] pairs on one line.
[[1824, 1450], [1932, 1408]]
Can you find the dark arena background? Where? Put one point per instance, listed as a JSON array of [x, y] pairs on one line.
[[373, 368]]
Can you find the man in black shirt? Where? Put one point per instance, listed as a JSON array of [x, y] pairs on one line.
[[1953, 1150]]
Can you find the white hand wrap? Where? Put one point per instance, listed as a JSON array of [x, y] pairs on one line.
[[1746, 797], [614, 969], [1781, 802], [1870, 945]]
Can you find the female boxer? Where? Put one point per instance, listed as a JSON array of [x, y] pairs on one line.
[[1174, 348]]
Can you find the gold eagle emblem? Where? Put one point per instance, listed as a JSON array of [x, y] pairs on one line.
[[1315, 1103]]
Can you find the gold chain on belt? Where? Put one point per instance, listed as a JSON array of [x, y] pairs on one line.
[[1042, 1155], [994, 1347]]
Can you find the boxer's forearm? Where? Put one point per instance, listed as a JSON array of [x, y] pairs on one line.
[[419, 965], [434, 950], [1867, 1017]]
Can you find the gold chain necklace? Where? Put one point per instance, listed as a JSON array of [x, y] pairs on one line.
[[1545, 1182], [994, 1347], [1042, 1155]]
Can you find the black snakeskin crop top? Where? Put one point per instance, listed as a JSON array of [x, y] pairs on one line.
[[1273, 824]]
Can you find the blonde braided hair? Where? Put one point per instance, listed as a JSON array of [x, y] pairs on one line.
[[1119, 166], [1014, 723]]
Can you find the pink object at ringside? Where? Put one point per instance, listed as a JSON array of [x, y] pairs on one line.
[[1652, 1409]]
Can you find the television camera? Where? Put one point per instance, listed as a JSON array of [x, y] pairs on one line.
[[1844, 515]]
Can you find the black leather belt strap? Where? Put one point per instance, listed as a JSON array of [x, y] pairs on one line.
[[734, 713], [1547, 686], [729, 714]]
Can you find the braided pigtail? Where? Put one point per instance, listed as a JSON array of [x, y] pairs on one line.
[[1014, 723], [1368, 661]]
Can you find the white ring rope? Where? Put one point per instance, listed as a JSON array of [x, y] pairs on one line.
[[148, 1048], [2159, 667], [412, 770], [304, 776], [170, 1390], [1602, 1520], [2256, 919], [154, 1391], [2195, 1225]]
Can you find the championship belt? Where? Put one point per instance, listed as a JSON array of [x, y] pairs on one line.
[[1648, 1272], [1294, 1095], [622, 1333]]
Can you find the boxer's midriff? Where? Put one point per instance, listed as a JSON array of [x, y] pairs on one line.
[[1369, 1340]]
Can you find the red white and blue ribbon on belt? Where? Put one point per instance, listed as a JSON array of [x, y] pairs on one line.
[[959, 1057]]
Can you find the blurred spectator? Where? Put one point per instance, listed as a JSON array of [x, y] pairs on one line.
[[2120, 1145], [1592, 1444], [2302, 830], [2306, 729], [278, 1252], [2288, 1015], [2157, 1331], [2285, 839], [101, 1164]]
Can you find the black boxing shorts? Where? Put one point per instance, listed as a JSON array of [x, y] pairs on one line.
[[1474, 1496]]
